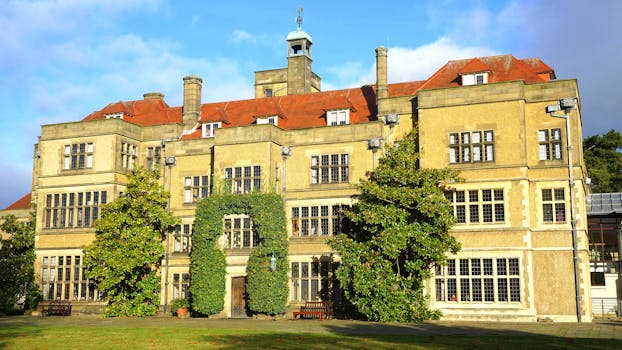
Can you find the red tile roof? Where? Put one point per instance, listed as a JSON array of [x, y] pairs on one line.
[[474, 66], [152, 111], [294, 111], [502, 68], [309, 110], [22, 203]]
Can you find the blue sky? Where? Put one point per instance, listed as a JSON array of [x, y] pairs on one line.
[[62, 59]]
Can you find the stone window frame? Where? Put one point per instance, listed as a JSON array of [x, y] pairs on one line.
[[77, 156], [311, 278], [196, 187], [477, 280], [317, 220], [554, 205], [72, 209], [182, 238], [478, 206], [128, 155], [66, 281], [243, 179], [239, 233], [330, 168], [471, 147], [550, 144]]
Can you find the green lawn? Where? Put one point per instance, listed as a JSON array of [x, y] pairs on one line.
[[193, 338], [105, 334]]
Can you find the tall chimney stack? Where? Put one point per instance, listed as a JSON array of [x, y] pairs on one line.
[[382, 91], [192, 101]]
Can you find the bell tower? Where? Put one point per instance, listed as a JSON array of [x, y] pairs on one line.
[[300, 78], [297, 78]]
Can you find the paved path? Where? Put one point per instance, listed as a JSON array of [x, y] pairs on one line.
[[610, 329]]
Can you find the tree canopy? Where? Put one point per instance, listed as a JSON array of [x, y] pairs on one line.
[[603, 160], [400, 229], [125, 257], [17, 257]]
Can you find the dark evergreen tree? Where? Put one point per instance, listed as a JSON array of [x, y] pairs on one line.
[[400, 229], [17, 257], [603, 160]]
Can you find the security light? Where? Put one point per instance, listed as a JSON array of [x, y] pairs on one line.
[[568, 103], [374, 144], [552, 108], [286, 151], [391, 119]]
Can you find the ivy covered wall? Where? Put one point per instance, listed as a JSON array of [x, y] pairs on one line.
[[266, 290]]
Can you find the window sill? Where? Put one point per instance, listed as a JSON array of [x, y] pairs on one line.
[[181, 253], [238, 251], [77, 171], [66, 230], [310, 238], [332, 184], [468, 164]]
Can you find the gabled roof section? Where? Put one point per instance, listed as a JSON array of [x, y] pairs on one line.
[[309, 110], [502, 68], [294, 111], [604, 203], [146, 112], [22, 203], [474, 66]]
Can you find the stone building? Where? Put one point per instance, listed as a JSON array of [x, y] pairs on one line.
[[485, 117]]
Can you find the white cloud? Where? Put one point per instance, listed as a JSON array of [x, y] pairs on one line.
[[408, 64], [242, 35]]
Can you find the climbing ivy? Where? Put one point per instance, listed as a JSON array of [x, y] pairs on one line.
[[266, 290]]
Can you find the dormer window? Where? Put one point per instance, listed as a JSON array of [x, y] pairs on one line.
[[475, 79], [338, 117], [273, 120], [209, 128], [115, 115]]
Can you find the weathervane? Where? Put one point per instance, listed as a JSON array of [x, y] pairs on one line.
[[299, 18]]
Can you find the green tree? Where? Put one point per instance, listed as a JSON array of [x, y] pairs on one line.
[[127, 252], [604, 161], [17, 257], [400, 229]]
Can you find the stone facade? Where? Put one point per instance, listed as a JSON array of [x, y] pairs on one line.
[[313, 147]]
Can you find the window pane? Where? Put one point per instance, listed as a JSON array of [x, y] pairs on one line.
[[560, 212], [547, 212], [477, 137], [453, 139]]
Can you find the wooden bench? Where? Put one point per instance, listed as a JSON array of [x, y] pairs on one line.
[[316, 309], [57, 307]]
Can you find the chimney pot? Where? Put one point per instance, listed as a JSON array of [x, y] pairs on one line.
[[153, 95]]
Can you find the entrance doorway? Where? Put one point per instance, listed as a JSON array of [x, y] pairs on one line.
[[238, 297]]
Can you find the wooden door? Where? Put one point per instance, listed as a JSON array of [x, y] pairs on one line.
[[238, 297]]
